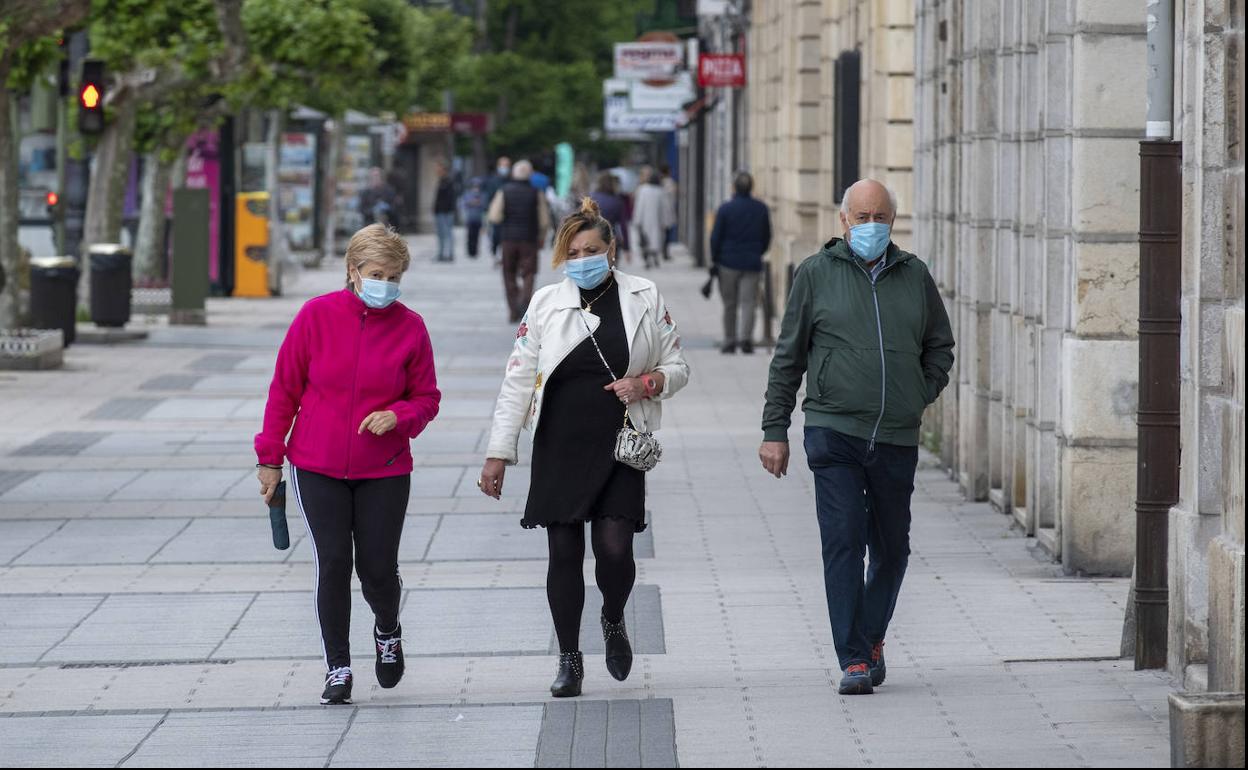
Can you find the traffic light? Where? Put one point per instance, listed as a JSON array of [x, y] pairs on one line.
[[52, 199], [91, 98]]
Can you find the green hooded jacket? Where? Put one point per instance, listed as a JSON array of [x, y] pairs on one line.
[[875, 354]]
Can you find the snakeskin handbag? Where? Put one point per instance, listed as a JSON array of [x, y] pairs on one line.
[[632, 447]]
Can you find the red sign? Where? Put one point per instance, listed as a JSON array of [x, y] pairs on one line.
[[721, 70], [474, 123]]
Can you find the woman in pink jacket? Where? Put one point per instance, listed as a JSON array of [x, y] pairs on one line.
[[355, 375]]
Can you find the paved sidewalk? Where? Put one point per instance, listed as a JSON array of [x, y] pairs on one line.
[[145, 619]]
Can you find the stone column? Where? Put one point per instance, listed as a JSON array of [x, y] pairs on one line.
[[1206, 565]]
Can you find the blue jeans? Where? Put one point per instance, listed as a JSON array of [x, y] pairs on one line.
[[863, 502], [446, 235]]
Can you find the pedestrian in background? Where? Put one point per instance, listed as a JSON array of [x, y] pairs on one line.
[[650, 212], [491, 186], [867, 326], [739, 238], [473, 203], [669, 211], [444, 213], [611, 205], [561, 383], [355, 375], [519, 210], [378, 201]]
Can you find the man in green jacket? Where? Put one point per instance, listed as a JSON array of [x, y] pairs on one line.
[[866, 325]]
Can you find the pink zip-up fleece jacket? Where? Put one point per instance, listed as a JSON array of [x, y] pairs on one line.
[[341, 361]]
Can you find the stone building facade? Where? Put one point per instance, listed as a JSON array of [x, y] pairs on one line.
[[1028, 118], [796, 48], [1206, 564]]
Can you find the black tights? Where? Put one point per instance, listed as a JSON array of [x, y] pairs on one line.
[[565, 585]]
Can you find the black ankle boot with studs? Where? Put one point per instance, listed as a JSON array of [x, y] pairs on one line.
[[571, 674], [619, 649]]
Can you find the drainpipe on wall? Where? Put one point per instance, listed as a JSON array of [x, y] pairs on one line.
[[1157, 464]]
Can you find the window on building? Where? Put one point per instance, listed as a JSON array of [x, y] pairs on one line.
[[845, 121]]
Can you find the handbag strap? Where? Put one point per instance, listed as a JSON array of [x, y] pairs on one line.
[[602, 358]]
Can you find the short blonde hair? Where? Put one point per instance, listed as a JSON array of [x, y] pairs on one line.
[[588, 217], [380, 244]]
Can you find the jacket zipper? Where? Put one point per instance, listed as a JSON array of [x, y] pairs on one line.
[[879, 328], [355, 379]]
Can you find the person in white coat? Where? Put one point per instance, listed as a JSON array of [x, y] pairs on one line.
[[651, 212], [561, 382]]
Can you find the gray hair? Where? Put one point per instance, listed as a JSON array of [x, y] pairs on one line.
[[892, 197], [522, 170]]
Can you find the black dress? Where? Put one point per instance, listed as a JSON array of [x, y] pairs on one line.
[[575, 475]]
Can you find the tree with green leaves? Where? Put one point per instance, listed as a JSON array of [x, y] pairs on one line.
[[28, 35], [539, 67]]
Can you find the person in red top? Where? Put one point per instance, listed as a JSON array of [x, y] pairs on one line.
[[355, 375]]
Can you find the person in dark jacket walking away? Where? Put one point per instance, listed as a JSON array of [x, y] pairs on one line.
[[519, 210], [473, 203], [867, 326], [379, 203], [444, 214], [491, 187], [611, 205], [740, 237]]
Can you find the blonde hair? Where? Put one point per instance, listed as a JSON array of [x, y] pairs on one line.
[[380, 244], [589, 217]]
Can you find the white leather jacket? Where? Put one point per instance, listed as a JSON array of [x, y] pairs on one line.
[[552, 329]]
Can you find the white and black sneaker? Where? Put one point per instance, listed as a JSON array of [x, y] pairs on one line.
[[337, 687], [389, 656]]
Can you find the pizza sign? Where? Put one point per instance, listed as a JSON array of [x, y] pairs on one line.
[[721, 70]]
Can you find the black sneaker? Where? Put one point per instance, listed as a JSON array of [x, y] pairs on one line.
[[747, 348], [337, 687], [389, 657], [728, 349]]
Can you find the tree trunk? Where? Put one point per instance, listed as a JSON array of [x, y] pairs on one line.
[[149, 251], [106, 195], [336, 135], [9, 248], [277, 229], [107, 191]]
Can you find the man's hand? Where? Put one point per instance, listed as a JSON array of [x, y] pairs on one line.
[[775, 457]]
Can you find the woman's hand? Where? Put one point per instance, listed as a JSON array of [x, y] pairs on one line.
[[269, 479], [628, 390], [491, 481], [379, 423]]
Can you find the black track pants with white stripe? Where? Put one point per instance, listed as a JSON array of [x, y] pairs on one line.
[[342, 516]]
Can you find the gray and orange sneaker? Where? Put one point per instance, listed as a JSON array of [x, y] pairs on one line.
[[857, 680], [878, 669]]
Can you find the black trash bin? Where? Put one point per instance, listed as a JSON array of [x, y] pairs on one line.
[[54, 294], [111, 281]]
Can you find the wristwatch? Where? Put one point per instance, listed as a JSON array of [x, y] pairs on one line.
[[652, 385]]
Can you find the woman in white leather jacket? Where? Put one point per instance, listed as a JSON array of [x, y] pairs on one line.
[[591, 349]]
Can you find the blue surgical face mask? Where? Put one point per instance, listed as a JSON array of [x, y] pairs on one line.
[[869, 240], [587, 272], [378, 294]]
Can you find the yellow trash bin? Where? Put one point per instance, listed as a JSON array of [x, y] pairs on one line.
[[251, 245]]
